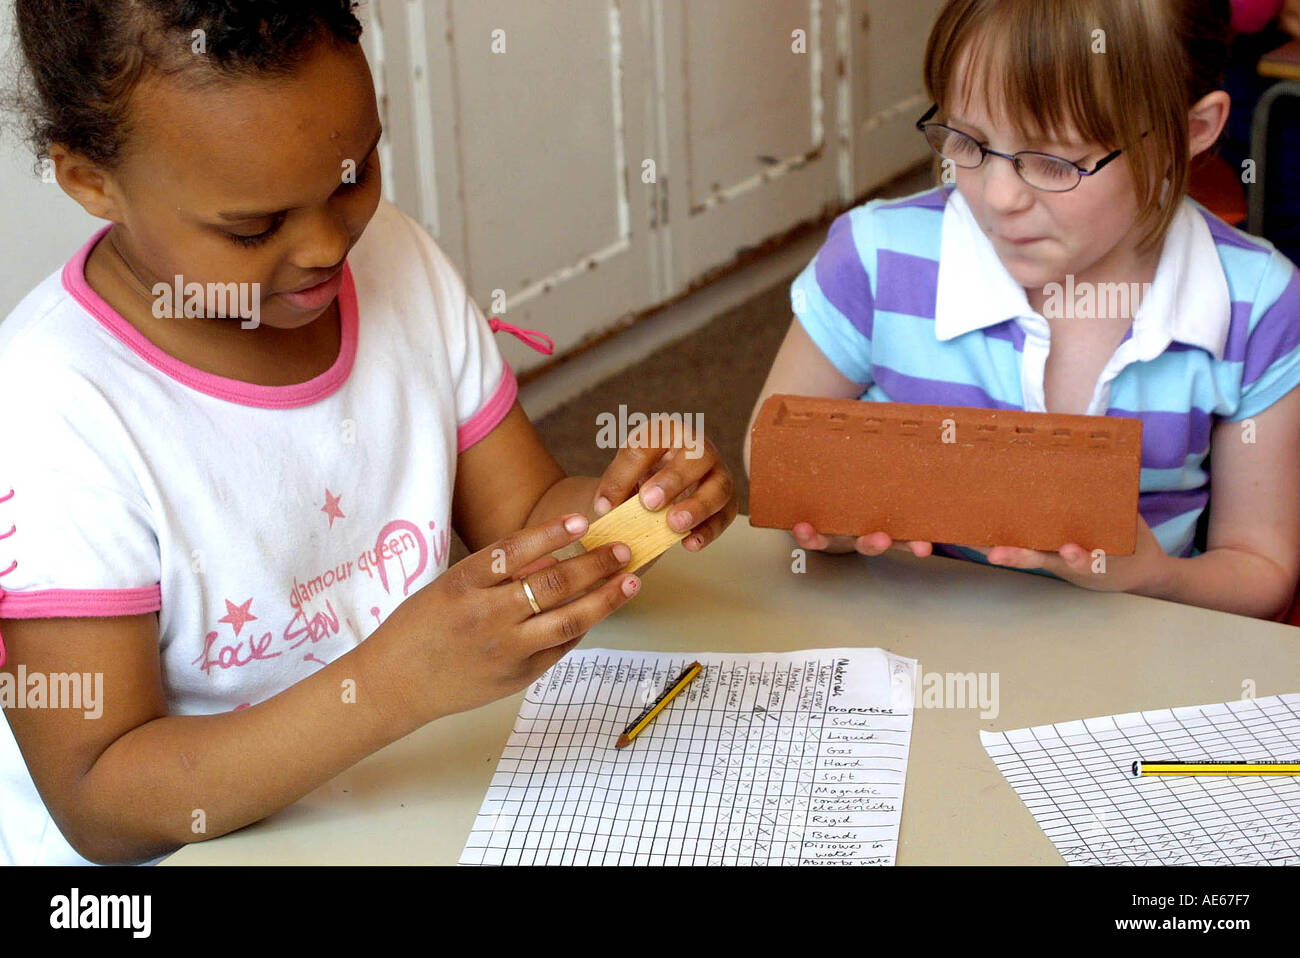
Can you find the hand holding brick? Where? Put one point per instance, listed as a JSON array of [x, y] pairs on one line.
[[980, 477]]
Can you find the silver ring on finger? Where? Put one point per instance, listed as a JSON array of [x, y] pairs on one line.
[[532, 599]]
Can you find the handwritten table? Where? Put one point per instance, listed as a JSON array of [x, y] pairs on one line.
[[1051, 651], [793, 758]]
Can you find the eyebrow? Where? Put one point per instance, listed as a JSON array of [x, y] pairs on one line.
[[238, 215], [1069, 145]]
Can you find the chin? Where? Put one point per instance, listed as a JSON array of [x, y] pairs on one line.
[[291, 319], [1033, 277], [1037, 272]]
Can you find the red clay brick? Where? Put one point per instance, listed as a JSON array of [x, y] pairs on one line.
[[1009, 478]]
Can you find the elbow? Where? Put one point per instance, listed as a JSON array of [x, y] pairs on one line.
[[1288, 595], [1282, 613], [100, 842], [110, 850], [1281, 603]]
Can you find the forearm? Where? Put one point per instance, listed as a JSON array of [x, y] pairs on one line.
[[181, 779], [1226, 579]]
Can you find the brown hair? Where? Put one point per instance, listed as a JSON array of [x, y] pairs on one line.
[[1040, 65]]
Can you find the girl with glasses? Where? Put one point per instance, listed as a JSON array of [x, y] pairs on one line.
[[1061, 267]]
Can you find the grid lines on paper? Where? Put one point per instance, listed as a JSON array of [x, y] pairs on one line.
[[732, 773], [1075, 778]]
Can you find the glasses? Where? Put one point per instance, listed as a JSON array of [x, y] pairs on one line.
[[1042, 171]]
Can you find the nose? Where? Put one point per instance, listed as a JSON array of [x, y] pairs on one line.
[[1002, 188], [324, 241]]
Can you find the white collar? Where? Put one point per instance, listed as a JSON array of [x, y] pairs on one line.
[[1188, 301]]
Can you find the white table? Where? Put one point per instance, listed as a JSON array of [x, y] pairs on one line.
[[1061, 653]]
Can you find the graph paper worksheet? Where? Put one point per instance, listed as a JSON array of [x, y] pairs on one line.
[[1076, 778], [767, 759]]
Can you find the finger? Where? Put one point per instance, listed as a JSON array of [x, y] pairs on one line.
[[503, 559], [630, 465], [915, 547], [1018, 558], [676, 475], [1072, 553], [544, 562], [570, 622], [708, 531], [1076, 558], [539, 662], [559, 583], [808, 537], [874, 543], [715, 493]]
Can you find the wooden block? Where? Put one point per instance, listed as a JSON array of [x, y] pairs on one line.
[[951, 474], [646, 533]]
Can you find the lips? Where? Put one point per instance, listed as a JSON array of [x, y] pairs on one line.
[[316, 297], [310, 286]]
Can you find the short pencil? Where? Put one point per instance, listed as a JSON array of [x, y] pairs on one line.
[[668, 694]]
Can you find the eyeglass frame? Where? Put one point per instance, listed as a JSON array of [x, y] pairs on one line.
[[985, 153]]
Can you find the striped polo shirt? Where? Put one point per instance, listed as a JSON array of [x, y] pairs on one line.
[[909, 298]]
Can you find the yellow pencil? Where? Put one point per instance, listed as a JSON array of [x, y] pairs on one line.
[[1216, 768], [644, 719]]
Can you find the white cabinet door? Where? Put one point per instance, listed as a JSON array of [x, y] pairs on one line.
[[583, 161], [516, 131], [748, 110], [887, 50]]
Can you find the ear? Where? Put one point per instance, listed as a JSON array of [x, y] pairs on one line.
[[86, 182], [1206, 120]]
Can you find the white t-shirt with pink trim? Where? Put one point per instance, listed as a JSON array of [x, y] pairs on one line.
[[272, 528]]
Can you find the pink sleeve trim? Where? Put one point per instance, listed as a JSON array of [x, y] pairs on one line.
[[75, 603], [493, 411], [71, 603], [221, 387]]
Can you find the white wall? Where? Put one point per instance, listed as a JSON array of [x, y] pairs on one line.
[[40, 225]]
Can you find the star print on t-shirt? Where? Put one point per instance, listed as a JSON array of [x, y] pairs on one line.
[[331, 507]]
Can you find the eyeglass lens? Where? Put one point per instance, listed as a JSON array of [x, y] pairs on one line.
[[1037, 169]]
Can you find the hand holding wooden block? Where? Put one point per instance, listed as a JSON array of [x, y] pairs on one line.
[[646, 533]]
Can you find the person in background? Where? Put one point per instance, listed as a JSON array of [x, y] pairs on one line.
[[1069, 165]]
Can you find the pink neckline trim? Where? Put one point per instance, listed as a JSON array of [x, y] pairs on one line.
[[221, 387]]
